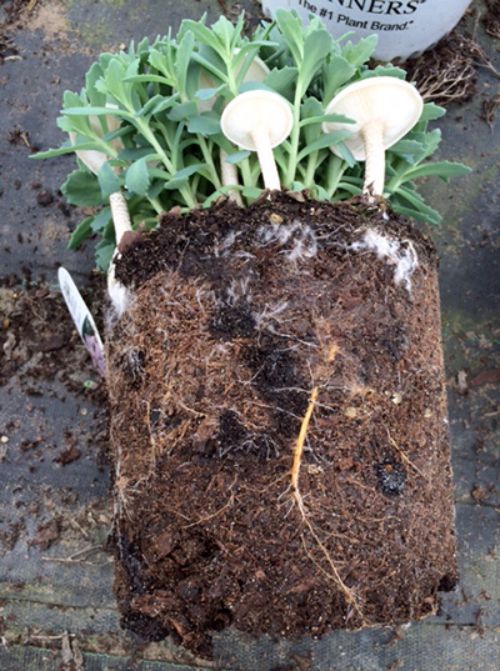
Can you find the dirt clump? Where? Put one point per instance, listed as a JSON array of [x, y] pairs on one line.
[[279, 424]]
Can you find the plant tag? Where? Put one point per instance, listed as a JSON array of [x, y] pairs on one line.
[[83, 320]]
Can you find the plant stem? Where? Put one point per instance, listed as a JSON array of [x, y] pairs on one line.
[[185, 190], [294, 141], [207, 155], [336, 169], [246, 172], [157, 206]]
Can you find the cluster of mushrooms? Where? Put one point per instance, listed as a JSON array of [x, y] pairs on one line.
[[383, 110]]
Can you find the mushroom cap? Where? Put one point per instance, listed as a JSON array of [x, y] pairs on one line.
[[394, 102], [256, 110]]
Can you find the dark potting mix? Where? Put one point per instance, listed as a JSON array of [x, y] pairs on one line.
[[279, 434], [250, 331]]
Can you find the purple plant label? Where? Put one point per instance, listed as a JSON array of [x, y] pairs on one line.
[[83, 320]]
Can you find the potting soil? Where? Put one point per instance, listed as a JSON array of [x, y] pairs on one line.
[[279, 423]]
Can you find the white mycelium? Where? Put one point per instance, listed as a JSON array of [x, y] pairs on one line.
[[298, 237], [402, 256], [119, 294], [224, 247], [238, 289]]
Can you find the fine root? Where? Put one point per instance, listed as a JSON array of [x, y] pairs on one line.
[[447, 73], [298, 499], [405, 457]]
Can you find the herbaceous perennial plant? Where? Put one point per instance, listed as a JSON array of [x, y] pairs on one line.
[[153, 113]]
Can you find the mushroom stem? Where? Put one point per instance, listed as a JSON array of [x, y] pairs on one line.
[[120, 215], [260, 136], [373, 136], [230, 178]]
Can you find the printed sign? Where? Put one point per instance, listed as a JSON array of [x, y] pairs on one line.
[[404, 27], [83, 320]]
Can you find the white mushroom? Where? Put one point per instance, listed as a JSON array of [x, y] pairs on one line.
[[94, 160], [384, 109], [259, 121], [257, 72], [229, 175]]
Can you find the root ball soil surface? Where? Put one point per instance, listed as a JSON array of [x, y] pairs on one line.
[[279, 423]]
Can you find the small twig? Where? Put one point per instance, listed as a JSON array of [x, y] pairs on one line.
[[73, 559], [31, 6], [228, 504], [43, 637], [404, 457], [75, 524]]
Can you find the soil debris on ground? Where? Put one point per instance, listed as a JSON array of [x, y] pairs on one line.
[[38, 340], [491, 19], [447, 72]]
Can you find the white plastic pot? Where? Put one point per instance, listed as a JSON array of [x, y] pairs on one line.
[[404, 27]]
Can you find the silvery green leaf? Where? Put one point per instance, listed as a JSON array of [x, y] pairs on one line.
[[311, 109], [360, 52], [108, 180], [316, 48], [137, 178], [442, 169], [293, 33], [429, 218], [326, 118], [82, 188], [319, 192], [418, 204], [104, 254], [183, 58], [352, 189], [96, 111], [253, 86], [282, 81], [148, 79], [324, 142], [208, 94], [384, 71], [113, 78], [224, 30], [431, 112], [66, 148], [182, 111], [182, 176], [237, 156], [101, 220], [410, 150], [251, 193], [335, 74], [205, 124], [156, 188], [157, 104], [91, 78], [211, 61], [134, 154], [201, 32], [345, 154], [81, 233]]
